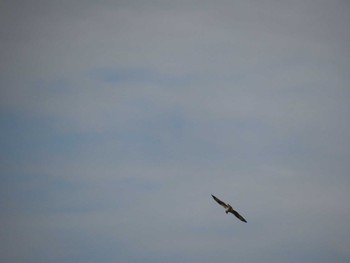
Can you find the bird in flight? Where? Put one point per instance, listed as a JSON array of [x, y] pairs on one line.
[[229, 209]]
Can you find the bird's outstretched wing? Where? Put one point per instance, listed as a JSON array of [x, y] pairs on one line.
[[238, 215], [219, 201]]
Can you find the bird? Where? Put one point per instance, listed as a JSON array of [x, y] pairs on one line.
[[229, 209]]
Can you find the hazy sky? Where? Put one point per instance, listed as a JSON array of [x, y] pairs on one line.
[[120, 118]]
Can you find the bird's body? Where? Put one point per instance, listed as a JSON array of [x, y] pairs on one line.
[[229, 209]]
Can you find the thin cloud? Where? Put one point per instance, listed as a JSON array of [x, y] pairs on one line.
[[121, 118]]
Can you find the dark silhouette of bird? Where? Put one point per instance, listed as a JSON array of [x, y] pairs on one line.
[[229, 209]]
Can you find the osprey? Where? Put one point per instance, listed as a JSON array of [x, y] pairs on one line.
[[229, 209]]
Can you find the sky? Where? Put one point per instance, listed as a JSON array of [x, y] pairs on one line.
[[119, 119]]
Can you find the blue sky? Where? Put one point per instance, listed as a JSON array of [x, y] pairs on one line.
[[119, 119]]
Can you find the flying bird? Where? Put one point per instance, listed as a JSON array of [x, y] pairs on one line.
[[229, 209]]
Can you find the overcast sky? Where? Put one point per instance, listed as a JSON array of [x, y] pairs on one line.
[[119, 119]]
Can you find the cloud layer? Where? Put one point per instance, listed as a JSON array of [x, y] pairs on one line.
[[120, 118]]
